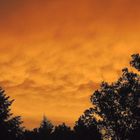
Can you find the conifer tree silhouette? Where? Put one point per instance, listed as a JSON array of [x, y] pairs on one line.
[[10, 128], [45, 129]]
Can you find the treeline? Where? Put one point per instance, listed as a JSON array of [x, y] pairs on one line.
[[115, 114], [62, 132], [11, 127]]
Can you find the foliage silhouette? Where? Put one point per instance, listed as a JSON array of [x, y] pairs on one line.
[[44, 132], [31, 134], [115, 114], [45, 129], [86, 129], [117, 105], [10, 126], [62, 132], [135, 62]]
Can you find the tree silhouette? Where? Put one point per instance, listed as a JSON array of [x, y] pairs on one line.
[[117, 104], [86, 127], [62, 132], [31, 134], [10, 128], [135, 62], [115, 114], [45, 129]]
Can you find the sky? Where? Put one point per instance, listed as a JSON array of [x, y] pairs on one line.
[[55, 53]]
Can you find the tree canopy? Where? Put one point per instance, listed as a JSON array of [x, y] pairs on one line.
[[117, 105]]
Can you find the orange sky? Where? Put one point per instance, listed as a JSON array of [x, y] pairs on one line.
[[54, 53]]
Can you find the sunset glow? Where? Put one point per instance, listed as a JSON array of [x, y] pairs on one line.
[[55, 53]]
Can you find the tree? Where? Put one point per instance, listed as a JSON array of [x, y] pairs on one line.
[[45, 129], [10, 128], [31, 134], [62, 132], [117, 104], [86, 127], [135, 62]]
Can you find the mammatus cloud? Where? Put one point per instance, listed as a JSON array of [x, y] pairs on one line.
[[54, 54]]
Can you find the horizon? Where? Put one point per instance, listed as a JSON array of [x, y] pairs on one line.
[[54, 54]]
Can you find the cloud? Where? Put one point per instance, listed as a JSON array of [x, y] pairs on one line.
[[54, 54]]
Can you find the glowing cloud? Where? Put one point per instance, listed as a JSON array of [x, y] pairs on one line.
[[54, 54]]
